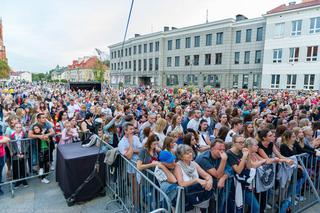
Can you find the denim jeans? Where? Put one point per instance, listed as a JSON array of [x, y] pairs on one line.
[[2, 162], [250, 200]]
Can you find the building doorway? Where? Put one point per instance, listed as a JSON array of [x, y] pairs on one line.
[[145, 81]]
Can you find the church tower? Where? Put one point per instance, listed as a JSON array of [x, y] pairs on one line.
[[2, 47]]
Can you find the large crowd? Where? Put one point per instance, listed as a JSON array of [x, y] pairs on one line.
[[189, 137]]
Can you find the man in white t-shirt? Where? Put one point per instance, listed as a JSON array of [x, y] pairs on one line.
[[72, 108], [236, 126], [195, 121]]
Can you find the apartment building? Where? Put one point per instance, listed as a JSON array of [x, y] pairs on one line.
[[279, 50], [223, 54], [291, 51]]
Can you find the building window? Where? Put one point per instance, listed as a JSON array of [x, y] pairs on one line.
[[172, 80], [192, 79], [156, 63], [235, 80], [150, 64], [238, 37], [168, 61], [218, 58], [177, 44], [129, 51], [134, 65], [279, 30], [296, 27], [145, 64], [259, 33], [187, 60], [134, 50], [177, 61], [256, 81], [140, 49], [207, 59], [294, 54], [315, 25], [145, 48], [188, 42], [157, 46], [121, 53], [129, 64], [308, 81], [139, 65], [246, 57], [312, 53], [291, 81], [127, 79], [212, 80], [275, 81], [196, 60], [219, 38], [150, 47], [111, 66], [126, 65], [277, 56], [248, 35], [245, 81], [126, 52], [197, 41], [170, 45], [257, 58], [236, 57], [118, 53], [208, 39]]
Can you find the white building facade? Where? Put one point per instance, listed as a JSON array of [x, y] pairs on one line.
[[224, 54], [291, 50]]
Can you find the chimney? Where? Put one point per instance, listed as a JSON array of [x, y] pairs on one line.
[[292, 3], [165, 29], [173, 28], [136, 35]]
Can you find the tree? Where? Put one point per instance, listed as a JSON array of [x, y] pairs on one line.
[[98, 71], [4, 69]]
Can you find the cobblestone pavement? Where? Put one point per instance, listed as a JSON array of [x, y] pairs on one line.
[[47, 198]]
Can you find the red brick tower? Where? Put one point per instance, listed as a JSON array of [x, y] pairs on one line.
[[2, 47]]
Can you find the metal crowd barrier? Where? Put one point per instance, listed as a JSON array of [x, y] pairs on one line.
[[277, 199], [132, 189], [26, 157]]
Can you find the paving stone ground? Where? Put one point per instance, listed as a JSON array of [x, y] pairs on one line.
[[47, 198]]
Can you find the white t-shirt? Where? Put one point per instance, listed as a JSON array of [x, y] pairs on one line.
[[72, 110]]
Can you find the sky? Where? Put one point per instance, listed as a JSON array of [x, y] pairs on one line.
[[40, 34]]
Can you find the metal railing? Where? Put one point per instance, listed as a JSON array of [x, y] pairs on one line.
[[132, 189], [300, 192], [30, 158]]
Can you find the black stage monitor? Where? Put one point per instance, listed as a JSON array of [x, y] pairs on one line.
[[85, 86]]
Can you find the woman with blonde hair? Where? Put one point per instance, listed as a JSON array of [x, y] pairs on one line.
[[159, 129]]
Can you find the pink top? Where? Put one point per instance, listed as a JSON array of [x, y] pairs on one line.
[[2, 151], [67, 138]]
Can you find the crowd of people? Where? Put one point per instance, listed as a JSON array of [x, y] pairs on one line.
[[208, 141]]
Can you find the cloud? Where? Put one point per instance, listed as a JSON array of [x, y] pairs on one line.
[[41, 34]]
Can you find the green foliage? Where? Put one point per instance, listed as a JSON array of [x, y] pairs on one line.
[[4, 69], [191, 88], [98, 71], [208, 88], [120, 85], [41, 77]]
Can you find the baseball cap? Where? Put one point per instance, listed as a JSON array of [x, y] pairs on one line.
[[166, 157]]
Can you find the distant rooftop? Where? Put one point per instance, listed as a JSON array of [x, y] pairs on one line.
[[293, 6]]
